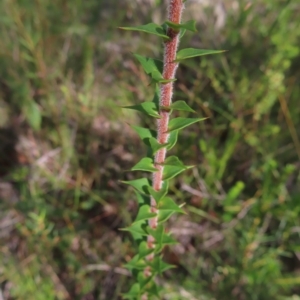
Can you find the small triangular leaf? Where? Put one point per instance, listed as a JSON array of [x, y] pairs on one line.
[[159, 266], [145, 164], [158, 195], [144, 214], [181, 105], [155, 291], [155, 145], [136, 227], [144, 250], [145, 281], [189, 25], [144, 133], [166, 208], [161, 238], [168, 204], [191, 52], [179, 123], [141, 184], [134, 293], [147, 108], [172, 167], [151, 28], [153, 67], [135, 263], [142, 198]]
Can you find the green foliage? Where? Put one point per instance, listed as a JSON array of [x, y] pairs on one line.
[[153, 264], [64, 72]]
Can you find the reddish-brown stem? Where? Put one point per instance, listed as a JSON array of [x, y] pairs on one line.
[[166, 92]]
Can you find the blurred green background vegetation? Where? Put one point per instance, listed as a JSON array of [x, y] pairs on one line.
[[65, 143]]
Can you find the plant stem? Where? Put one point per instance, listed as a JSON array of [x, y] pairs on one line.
[[166, 92]]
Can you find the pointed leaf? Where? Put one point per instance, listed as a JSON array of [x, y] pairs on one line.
[[136, 227], [153, 68], [158, 195], [170, 172], [191, 52], [145, 164], [155, 291], [135, 263], [155, 145], [167, 207], [161, 238], [173, 161], [134, 292], [145, 281], [144, 214], [159, 266], [147, 108], [172, 167], [179, 123], [148, 137], [181, 105], [168, 204], [141, 184], [172, 139], [144, 133], [189, 25], [144, 250], [151, 28], [142, 198]]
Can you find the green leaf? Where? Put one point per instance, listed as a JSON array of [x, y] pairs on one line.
[[181, 105], [172, 139], [147, 108], [145, 281], [159, 266], [144, 133], [145, 164], [148, 137], [156, 96], [172, 167], [182, 33], [161, 238], [155, 145], [191, 52], [144, 250], [136, 227], [168, 204], [134, 292], [151, 28], [167, 207], [141, 184], [142, 198], [155, 290], [189, 25], [33, 115], [158, 195], [233, 193], [179, 123], [144, 214], [135, 263], [153, 68]]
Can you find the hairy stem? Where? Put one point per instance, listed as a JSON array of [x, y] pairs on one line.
[[166, 92]]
